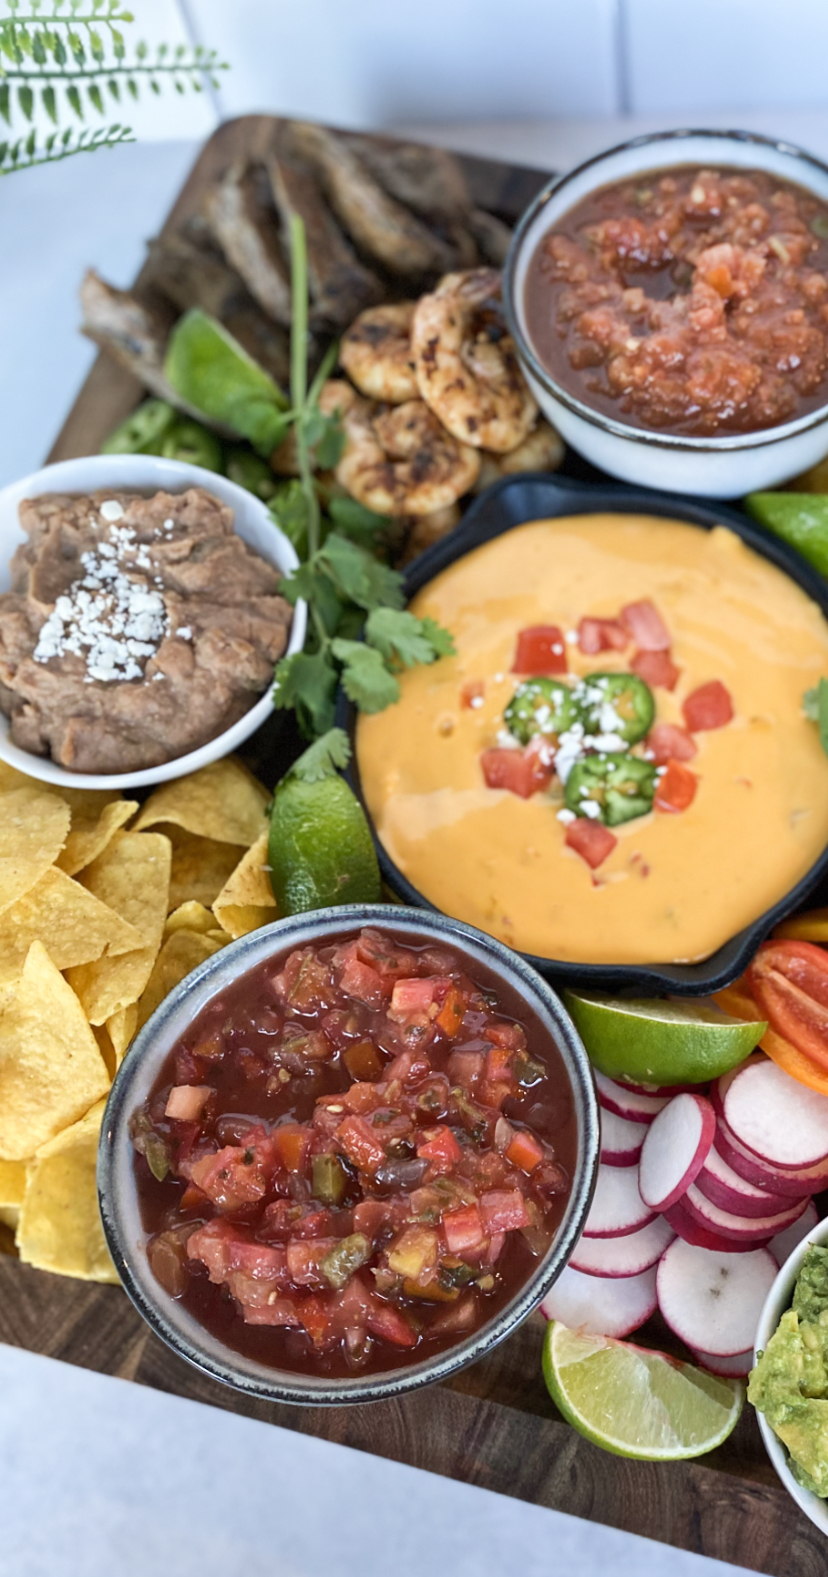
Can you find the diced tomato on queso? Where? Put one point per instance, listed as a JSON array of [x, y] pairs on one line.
[[540, 650], [347, 1219]]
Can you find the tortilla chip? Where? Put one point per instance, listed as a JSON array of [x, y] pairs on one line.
[[74, 926], [106, 1048], [246, 901], [9, 1217], [121, 1028], [51, 1070], [223, 802], [96, 817], [200, 867], [132, 876], [60, 1224], [11, 778], [12, 1183], [181, 953], [33, 829], [191, 916]]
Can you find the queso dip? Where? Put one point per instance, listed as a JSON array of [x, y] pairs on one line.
[[674, 886]]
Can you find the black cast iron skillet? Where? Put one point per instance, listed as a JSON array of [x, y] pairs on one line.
[[535, 496]]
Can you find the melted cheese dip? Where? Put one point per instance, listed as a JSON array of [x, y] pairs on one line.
[[676, 886]]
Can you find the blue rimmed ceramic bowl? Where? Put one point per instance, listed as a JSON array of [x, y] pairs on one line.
[[120, 1212]]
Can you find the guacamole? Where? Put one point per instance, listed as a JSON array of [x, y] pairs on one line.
[[790, 1382]]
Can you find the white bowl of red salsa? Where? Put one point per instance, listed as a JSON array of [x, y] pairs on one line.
[[669, 301], [348, 1155]]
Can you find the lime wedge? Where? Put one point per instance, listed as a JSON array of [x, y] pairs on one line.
[[661, 1042], [320, 849], [637, 1403]]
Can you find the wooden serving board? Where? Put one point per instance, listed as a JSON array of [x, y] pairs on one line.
[[492, 1425]]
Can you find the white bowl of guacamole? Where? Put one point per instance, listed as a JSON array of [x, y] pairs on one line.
[[789, 1383]]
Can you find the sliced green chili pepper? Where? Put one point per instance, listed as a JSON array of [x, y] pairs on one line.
[[621, 787], [192, 444], [247, 470], [619, 704], [144, 431], [540, 706], [339, 1264], [329, 1180]]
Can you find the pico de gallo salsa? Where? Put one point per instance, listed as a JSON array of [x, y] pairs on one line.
[[355, 1156]]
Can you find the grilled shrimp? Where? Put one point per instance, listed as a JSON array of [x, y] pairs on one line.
[[466, 364], [543, 450], [398, 459], [376, 353]]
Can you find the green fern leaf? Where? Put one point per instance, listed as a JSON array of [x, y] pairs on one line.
[[95, 97], [4, 102], [115, 89], [49, 103], [74, 99], [25, 99]]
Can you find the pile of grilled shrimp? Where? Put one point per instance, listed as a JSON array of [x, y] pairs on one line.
[[402, 265]]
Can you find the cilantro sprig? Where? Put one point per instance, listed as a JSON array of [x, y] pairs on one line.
[[345, 585], [815, 707]]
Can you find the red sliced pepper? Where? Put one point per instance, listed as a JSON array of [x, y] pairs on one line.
[[540, 650], [790, 983]]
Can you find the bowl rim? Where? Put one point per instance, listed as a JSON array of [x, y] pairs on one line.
[[535, 495], [762, 438], [153, 1043], [775, 1304], [178, 475]]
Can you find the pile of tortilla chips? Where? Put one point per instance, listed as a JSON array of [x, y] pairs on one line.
[[105, 906]]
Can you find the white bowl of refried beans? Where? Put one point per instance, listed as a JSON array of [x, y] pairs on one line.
[[141, 616], [669, 301]]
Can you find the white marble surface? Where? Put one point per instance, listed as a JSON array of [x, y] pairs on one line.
[[101, 1477]]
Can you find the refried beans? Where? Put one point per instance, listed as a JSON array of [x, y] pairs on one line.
[[136, 629], [688, 300]]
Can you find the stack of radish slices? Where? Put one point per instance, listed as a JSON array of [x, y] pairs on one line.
[[699, 1200]]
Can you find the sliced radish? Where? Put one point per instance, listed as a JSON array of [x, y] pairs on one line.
[[739, 1229], [785, 1242], [599, 1307], [625, 1102], [623, 1256], [782, 1121], [617, 1206], [720, 1183], [738, 1366], [691, 1230], [794, 1183], [713, 1301], [657, 1089], [675, 1148], [621, 1140]]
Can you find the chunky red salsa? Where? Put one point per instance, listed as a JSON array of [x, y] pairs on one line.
[[693, 301], [355, 1156]]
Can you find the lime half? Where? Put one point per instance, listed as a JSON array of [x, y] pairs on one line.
[[661, 1042], [637, 1403], [320, 849]]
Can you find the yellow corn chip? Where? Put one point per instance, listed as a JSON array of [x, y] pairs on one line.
[[132, 876], [10, 779], [51, 1070], [74, 926], [12, 1183], [181, 953], [9, 1216], [107, 1050], [200, 867], [33, 829], [223, 802], [191, 916], [96, 817], [121, 1029], [60, 1225], [246, 901]]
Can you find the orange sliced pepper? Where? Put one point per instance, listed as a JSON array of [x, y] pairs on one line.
[[451, 1014], [810, 927], [736, 1001]]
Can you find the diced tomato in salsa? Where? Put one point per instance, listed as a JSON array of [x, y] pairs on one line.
[[540, 650], [645, 625], [602, 635], [591, 839], [377, 1174], [710, 706], [667, 742], [522, 772], [676, 790], [657, 669]]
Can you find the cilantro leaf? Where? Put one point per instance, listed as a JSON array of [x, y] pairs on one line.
[[441, 639], [318, 589], [289, 509], [815, 707], [323, 757], [365, 678], [307, 682], [354, 520], [358, 576], [401, 637]]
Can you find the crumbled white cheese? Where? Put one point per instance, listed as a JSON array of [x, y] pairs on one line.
[[184, 633], [110, 616], [591, 808], [476, 700], [570, 747], [572, 637], [507, 741], [112, 510], [566, 816]]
